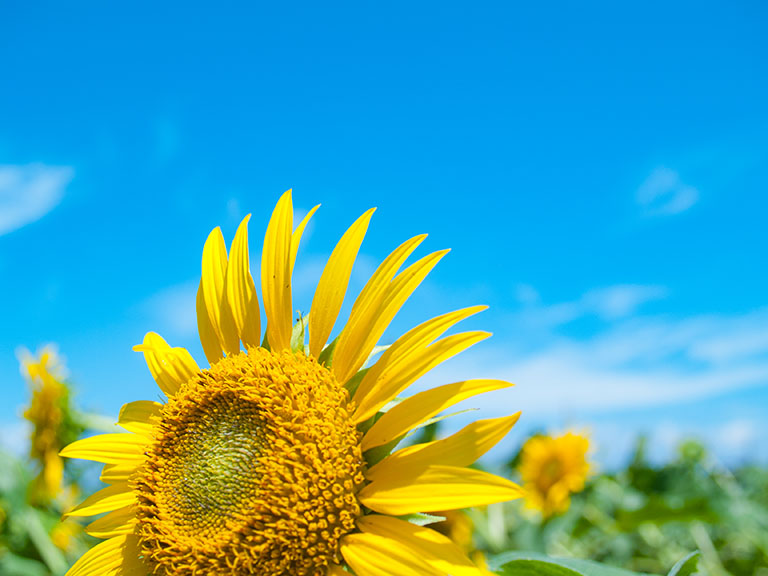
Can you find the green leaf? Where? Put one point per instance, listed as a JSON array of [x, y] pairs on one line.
[[13, 565], [532, 564], [51, 555], [686, 566]]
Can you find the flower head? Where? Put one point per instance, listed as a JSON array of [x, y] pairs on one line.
[[277, 460], [553, 468], [49, 414]]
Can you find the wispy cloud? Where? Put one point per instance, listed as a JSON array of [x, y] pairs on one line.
[[631, 362], [27, 193], [607, 303], [664, 193]]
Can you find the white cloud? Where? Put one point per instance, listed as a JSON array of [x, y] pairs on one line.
[[609, 303], [664, 193], [632, 362], [738, 435], [27, 193]]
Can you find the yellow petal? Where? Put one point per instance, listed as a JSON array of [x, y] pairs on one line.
[[118, 555], [208, 337], [369, 300], [460, 449], [117, 522], [355, 346], [420, 407], [105, 500], [413, 367], [332, 287], [409, 343], [108, 448], [138, 416], [374, 555], [241, 290], [429, 545], [437, 488], [276, 275], [116, 473], [336, 570], [296, 236], [212, 280], [170, 367]]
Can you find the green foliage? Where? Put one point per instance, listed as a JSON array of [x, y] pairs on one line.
[[645, 517], [532, 564], [27, 545], [686, 566], [528, 563]]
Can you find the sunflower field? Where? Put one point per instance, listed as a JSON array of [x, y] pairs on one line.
[[687, 516], [295, 453]]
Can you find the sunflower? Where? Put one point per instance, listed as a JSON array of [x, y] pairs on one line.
[[277, 460], [553, 468], [52, 423]]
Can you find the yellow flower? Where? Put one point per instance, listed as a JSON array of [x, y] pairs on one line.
[[553, 468], [65, 535], [47, 414], [276, 460], [457, 526]]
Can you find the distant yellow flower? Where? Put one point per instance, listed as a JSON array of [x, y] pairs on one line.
[[65, 535], [457, 526], [47, 413], [553, 468], [276, 460]]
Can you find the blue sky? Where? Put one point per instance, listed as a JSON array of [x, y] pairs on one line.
[[598, 169]]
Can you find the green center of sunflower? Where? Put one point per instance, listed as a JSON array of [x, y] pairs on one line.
[[212, 469], [254, 469]]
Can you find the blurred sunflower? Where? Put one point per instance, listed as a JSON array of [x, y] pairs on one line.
[[553, 468], [457, 526], [53, 425], [277, 460]]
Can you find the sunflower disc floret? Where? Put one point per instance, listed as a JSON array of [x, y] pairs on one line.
[[254, 468]]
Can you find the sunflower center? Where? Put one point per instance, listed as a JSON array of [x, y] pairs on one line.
[[211, 472], [254, 470], [551, 472]]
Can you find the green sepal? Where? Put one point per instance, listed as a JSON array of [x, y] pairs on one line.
[[326, 356], [378, 453], [265, 342], [421, 519], [298, 334], [375, 352], [354, 382]]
